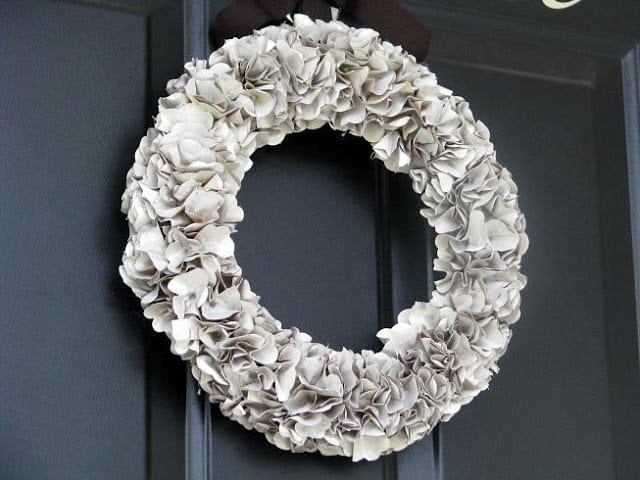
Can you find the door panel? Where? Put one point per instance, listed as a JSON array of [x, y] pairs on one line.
[[72, 98], [553, 388], [307, 243]]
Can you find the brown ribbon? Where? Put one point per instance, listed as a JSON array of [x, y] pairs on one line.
[[388, 17]]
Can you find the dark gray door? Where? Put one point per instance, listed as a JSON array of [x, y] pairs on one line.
[[332, 242]]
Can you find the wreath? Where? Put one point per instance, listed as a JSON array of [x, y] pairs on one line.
[[180, 201]]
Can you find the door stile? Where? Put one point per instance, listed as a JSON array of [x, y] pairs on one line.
[[198, 422]]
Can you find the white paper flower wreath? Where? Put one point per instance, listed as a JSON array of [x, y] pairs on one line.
[[180, 201]]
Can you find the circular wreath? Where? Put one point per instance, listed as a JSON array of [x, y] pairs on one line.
[[180, 202]]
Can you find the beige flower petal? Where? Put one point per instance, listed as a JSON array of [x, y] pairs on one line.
[[191, 284], [223, 305], [202, 206], [216, 240], [366, 447]]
